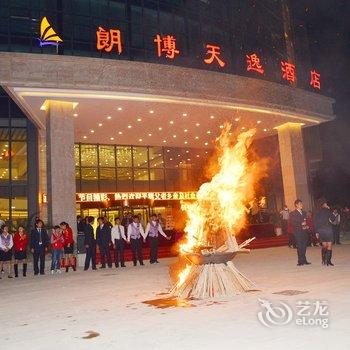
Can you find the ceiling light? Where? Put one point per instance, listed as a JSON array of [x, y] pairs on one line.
[[149, 134], [168, 150], [160, 128], [140, 140], [92, 131], [184, 114], [171, 158], [100, 124], [174, 136], [185, 142], [197, 124], [151, 111], [120, 132], [75, 114], [206, 143], [265, 130], [212, 117], [185, 130], [109, 117], [139, 119], [171, 122], [236, 119], [259, 121], [164, 141], [187, 151], [208, 132], [112, 138], [196, 137], [221, 126], [129, 126], [120, 108], [243, 128], [197, 155], [84, 137]]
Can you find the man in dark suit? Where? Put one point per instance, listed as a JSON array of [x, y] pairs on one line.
[[39, 242], [104, 240], [300, 230], [90, 244]]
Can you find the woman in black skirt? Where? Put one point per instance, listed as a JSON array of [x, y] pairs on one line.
[[323, 227], [6, 244], [20, 243]]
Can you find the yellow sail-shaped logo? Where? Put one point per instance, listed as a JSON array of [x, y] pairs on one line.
[[47, 35]]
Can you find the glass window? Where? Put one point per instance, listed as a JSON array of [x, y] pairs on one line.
[[19, 205], [88, 155], [124, 182], [172, 179], [156, 157], [107, 180], [4, 161], [4, 203], [124, 156], [89, 180], [106, 156], [77, 155], [140, 157], [141, 180], [157, 180], [19, 161]]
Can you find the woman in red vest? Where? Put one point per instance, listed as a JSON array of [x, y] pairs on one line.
[[68, 246], [20, 243], [57, 244]]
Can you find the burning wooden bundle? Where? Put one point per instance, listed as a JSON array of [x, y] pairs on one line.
[[220, 213]]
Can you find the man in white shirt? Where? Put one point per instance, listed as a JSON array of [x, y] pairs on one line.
[[118, 239], [135, 236], [153, 229]]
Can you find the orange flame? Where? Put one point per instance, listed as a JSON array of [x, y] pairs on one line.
[[221, 206]]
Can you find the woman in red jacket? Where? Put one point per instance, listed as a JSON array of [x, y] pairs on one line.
[[20, 243], [57, 244], [68, 246]]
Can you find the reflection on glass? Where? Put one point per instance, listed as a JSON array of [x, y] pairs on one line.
[[77, 173], [172, 180], [107, 180], [19, 161], [4, 203], [157, 179], [19, 205], [123, 156], [156, 157], [76, 155], [141, 180], [140, 155], [88, 155], [106, 156], [124, 179], [4, 161], [89, 182]]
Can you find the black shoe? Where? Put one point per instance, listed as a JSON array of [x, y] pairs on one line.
[[116, 265], [15, 266], [24, 270], [122, 265], [134, 263], [157, 262], [85, 269], [36, 273], [42, 273], [141, 263], [298, 264], [67, 268], [152, 262], [94, 268], [9, 276], [307, 263], [102, 267]]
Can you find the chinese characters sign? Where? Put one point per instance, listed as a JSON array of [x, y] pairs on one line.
[[103, 197], [110, 40]]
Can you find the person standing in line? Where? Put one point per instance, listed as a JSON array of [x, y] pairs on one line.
[[153, 229], [127, 220], [161, 220], [39, 242], [103, 236], [6, 244], [300, 231], [80, 225], [20, 243], [69, 260], [118, 240], [135, 236], [323, 226], [90, 244], [2, 222], [336, 226], [57, 244]]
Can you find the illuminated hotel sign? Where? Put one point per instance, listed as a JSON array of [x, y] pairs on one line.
[[110, 40], [47, 35], [103, 197]]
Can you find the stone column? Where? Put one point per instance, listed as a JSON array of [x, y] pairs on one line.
[[60, 163], [293, 164]]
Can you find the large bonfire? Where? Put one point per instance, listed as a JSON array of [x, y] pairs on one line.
[[216, 218]]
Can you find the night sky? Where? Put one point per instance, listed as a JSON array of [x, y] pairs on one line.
[[328, 27]]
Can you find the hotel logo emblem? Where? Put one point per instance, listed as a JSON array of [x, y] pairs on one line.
[[47, 34]]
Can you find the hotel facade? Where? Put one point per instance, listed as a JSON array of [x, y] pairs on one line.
[[107, 105]]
